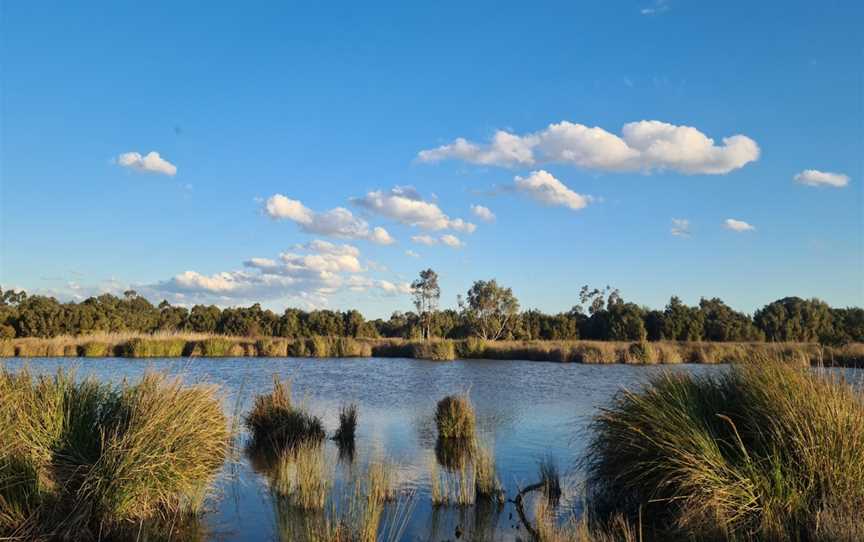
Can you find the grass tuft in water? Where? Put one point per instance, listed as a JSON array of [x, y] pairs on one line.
[[762, 451], [454, 417]]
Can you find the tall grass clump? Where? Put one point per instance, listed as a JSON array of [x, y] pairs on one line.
[[83, 460], [140, 347], [454, 417], [345, 433], [275, 424], [434, 350], [763, 451]]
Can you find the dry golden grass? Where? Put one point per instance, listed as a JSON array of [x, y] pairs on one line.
[[593, 352]]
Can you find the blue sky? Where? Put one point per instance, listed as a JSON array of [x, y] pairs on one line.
[[275, 114]]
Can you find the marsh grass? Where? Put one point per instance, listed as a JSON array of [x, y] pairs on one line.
[[549, 529], [89, 459], [763, 451], [487, 486], [455, 418], [550, 480], [345, 433], [275, 424], [434, 350], [166, 344]]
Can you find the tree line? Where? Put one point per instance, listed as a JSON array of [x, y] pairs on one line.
[[488, 311]]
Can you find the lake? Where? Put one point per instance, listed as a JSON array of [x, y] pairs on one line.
[[526, 411]]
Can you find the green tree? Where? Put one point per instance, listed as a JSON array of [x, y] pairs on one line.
[[426, 294], [491, 309]]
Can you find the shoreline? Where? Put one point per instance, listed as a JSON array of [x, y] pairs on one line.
[[588, 352]]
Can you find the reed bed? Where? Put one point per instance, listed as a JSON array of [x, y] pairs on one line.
[[86, 460], [593, 352], [764, 451]]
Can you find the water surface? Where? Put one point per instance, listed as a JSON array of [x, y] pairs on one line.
[[526, 411]]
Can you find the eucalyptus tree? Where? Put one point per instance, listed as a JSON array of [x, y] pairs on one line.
[[427, 293], [491, 309]]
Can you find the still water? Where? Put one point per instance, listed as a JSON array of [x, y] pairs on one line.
[[526, 411]]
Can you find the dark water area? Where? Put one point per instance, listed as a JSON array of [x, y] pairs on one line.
[[526, 411]]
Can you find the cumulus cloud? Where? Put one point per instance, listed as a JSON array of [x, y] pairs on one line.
[[542, 186], [643, 146], [311, 271], [411, 253], [451, 241], [405, 205], [814, 177], [483, 213], [737, 225], [680, 227], [149, 163], [338, 222], [446, 239]]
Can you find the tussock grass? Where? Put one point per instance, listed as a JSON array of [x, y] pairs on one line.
[[155, 348], [764, 451], [301, 475], [454, 417], [550, 480], [434, 350], [272, 348], [7, 348], [276, 425], [345, 433], [85, 459]]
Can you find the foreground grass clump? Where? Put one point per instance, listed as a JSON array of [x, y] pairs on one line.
[[759, 452], [455, 418], [275, 424], [84, 460]]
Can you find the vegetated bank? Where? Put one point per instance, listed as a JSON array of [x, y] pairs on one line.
[[593, 352]]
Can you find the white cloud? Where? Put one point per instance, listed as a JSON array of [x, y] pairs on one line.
[[737, 225], [446, 239], [452, 241], [411, 253], [545, 188], [660, 6], [405, 205], [337, 222], [643, 146], [680, 227], [483, 213], [312, 271], [151, 162], [424, 240], [814, 177]]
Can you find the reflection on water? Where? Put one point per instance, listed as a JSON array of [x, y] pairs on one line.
[[526, 411]]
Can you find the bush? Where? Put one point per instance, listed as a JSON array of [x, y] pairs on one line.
[[434, 350], [272, 348], [762, 451], [154, 348], [94, 349], [276, 425], [471, 348], [641, 352], [84, 460], [297, 348], [454, 417], [216, 347], [318, 347]]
